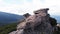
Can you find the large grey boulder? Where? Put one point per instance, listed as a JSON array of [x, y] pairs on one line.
[[36, 24], [40, 19]]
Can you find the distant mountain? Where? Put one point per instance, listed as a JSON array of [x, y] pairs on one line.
[[56, 17], [6, 18]]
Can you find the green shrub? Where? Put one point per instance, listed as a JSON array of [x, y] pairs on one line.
[[8, 28]]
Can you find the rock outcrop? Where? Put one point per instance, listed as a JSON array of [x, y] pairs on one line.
[[39, 23], [26, 15]]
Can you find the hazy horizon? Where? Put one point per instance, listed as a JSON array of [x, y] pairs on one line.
[[21, 7]]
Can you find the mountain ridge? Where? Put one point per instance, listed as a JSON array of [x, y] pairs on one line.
[[6, 18]]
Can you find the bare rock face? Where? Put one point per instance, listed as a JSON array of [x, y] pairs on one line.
[[40, 19], [36, 24]]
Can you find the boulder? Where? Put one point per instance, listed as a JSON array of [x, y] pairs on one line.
[[39, 23]]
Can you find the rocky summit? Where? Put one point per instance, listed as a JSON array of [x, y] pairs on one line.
[[39, 23]]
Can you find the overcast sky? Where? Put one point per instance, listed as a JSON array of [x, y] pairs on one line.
[[28, 6]]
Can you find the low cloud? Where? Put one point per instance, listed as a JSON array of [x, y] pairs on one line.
[[24, 6]]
